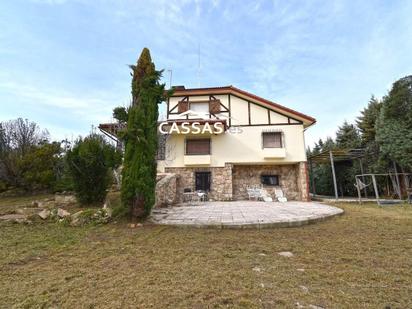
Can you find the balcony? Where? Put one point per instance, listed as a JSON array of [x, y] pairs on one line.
[[274, 153], [191, 160]]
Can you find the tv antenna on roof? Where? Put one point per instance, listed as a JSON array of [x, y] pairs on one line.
[[170, 78]]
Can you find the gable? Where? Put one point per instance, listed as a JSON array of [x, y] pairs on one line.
[[280, 113]]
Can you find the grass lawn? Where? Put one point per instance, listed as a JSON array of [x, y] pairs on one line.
[[10, 204], [362, 259]]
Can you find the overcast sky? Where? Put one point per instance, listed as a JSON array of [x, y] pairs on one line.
[[64, 63]]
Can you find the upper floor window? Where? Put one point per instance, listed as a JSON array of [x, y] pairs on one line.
[[272, 139], [200, 107], [199, 146]]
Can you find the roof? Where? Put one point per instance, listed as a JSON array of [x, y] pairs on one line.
[[182, 91], [338, 155]]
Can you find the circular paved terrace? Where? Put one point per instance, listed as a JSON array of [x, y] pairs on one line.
[[244, 214]]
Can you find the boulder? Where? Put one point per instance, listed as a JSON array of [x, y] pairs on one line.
[[61, 213], [76, 218], [28, 211], [166, 190], [44, 214], [65, 199], [19, 218]]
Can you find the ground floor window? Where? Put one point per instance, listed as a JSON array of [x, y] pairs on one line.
[[202, 181], [269, 180]]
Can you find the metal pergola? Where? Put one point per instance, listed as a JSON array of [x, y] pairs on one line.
[[332, 156]]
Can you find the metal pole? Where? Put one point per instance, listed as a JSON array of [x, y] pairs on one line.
[[397, 181], [358, 188], [375, 187], [363, 178], [335, 185], [312, 178]]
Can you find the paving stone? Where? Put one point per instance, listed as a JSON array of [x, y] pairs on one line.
[[245, 214]]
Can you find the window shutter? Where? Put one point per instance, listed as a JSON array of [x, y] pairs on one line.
[[198, 146], [214, 106], [272, 140], [183, 106]]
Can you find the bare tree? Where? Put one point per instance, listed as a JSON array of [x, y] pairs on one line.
[[16, 138]]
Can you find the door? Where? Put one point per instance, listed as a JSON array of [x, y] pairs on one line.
[[202, 181]]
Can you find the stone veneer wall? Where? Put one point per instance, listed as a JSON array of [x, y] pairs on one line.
[[249, 175], [303, 181], [221, 181], [230, 182]]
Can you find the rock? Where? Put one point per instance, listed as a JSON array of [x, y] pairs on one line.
[[44, 214], [257, 269], [304, 288], [65, 199], [28, 211], [19, 218], [315, 307], [61, 213], [166, 190], [298, 305], [76, 215], [108, 210], [35, 204], [286, 253], [262, 254], [300, 269], [132, 225], [76, 218]]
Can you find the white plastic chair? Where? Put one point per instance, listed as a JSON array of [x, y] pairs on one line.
[[280, 196]]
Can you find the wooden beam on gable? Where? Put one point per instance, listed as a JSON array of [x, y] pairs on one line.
[[248, 112], [230, 110]]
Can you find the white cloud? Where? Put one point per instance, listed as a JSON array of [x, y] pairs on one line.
[[95, 108]]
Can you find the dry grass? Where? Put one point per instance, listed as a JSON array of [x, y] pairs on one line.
[[359, 260], [10, 204]]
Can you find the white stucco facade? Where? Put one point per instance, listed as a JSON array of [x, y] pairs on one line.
[[246, 118]]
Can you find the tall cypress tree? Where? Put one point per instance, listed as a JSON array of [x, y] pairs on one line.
[[139, 167]]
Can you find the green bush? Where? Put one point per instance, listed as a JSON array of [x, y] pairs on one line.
[[37, 166], [90, 162]]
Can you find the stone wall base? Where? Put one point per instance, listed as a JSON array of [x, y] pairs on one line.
[[221, 181], [250, 175], [231, 182]]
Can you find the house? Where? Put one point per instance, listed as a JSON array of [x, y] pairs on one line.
[[224, 139]]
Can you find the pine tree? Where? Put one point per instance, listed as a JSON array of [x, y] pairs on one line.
[[367, 121], [394, 126], [139, 167], [367, 124], [347, 136]]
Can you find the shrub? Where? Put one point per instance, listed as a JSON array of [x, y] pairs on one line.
[[90, 162]]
